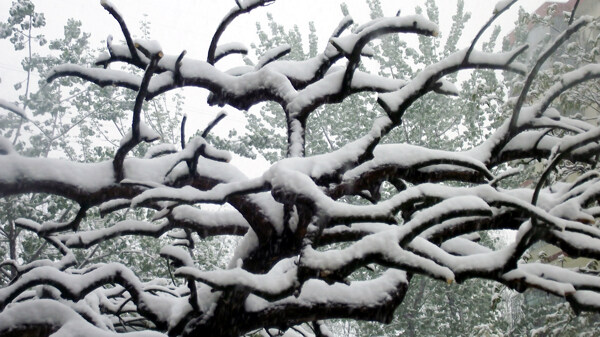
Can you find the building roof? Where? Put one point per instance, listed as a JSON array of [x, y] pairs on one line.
[[560, 7]]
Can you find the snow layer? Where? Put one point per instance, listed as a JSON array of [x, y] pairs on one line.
[[359, 293], [273, 54], [280, 278], [14, 108], [147, 134], [502, 5], [58, 316], [228, 48], [87, 177]]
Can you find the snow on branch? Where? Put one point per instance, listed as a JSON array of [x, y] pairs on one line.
[[130, 45], [53, 227], [244, 6], [396, 103], [190, 195], [14, 108], [27, 316], [568, 80], [228, 49], [184, 217], [352, 45], [308, 223], [386, 247], [139, 131], [501, 7], [101, 77], [346, 22], [276, 284], [273, 54], [317, 299], [75, 287]]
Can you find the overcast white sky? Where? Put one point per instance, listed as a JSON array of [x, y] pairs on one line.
[[189, 25]]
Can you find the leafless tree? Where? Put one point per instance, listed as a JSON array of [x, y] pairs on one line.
[[290, 267]]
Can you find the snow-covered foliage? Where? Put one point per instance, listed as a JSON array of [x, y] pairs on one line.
[[302, 240]]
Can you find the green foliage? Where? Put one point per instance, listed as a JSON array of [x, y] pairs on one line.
[[22, 20]]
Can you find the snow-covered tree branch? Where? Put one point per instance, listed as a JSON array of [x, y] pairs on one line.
[[308, 222]]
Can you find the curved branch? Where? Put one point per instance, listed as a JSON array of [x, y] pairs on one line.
[[130, 45], [233, 13], [259, 284], [14, 108], [567, 81], [229, 49], [496, 14], [99, 76], [396, 103], [346, 22], [319, 301], [409, 24], [54, 227], [563, 151], [204, 222]]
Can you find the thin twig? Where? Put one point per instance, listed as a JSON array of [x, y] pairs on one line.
[[183, 120], [130, 45], [485, 27], [212, 124], [573, 12], [226, 21]]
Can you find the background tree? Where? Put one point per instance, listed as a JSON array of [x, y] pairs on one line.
[[305, 237], [74, 120]]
